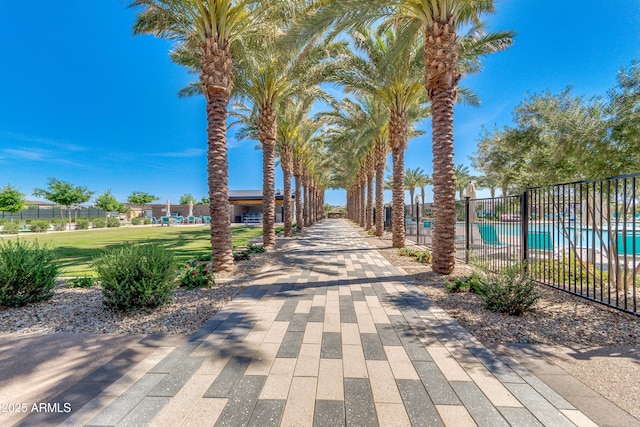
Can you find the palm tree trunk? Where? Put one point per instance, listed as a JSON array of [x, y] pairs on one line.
[[444, 181], [307, 216], [398, 232], [299, 220], [381, 153], [267, 130], [441, 79], [216, 83], [218, 171], [285, 162], [369, 201], [398, 138], [363, 200]]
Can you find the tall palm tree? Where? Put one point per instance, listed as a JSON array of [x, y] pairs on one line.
[[358, 130], [273, 75], [446, 58], [390, 71], [289, 123], [207, 33]]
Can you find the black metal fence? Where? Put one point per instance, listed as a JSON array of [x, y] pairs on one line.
[[581, 237], [50, 212]]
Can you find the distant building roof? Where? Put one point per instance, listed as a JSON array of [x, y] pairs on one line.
[[235, 195]]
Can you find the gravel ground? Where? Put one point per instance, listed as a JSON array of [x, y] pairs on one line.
[[80, 309]]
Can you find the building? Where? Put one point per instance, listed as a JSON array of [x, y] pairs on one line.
[[245, 207]]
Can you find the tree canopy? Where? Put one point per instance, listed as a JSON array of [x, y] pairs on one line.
[[565, 137], [11, 199]]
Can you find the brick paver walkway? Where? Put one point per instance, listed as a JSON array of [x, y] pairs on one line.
[[333, 336]]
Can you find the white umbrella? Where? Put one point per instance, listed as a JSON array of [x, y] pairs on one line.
[[168, 207], [471, 193], [190, 208]]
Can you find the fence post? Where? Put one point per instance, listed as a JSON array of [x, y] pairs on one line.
[[467, 230], [524, 229], [417, 220]]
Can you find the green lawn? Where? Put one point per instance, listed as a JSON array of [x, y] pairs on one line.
[[75, 250]]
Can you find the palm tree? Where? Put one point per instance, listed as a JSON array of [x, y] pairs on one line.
[[289, 123], [463, 178], [446, 58], [207, 33], [358, 130], [391, 72], [415, 178], [271, 76]]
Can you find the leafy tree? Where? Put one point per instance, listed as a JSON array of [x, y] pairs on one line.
[[108, 203], [556, 138], [141, 198], [64, 194], [624, 122], [186, 198], [203, 201], [11, 200]]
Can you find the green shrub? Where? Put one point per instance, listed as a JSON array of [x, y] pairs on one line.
[[58, 224], [423, 257], [10, 228], [82, 224], [136, 221], [136, 277], [113, 222], [241, 256], [99, 223], [509, 292], [27, 273], [196, 274], [406, 252], [255, 249], [473, 283], [3, 221], [81, 282], [146, 220], [39, 226]]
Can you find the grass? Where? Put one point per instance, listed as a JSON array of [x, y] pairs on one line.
[[76, 250]]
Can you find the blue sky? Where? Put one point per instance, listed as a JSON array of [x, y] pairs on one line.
[[84, 101]]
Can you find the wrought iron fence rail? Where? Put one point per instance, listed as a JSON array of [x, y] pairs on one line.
[[581, 237]]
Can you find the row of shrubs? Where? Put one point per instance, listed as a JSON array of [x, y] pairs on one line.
[[132, 276], [56, 224], [143, 220]]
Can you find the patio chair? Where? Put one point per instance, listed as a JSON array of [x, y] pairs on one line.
[[191, 219], [206, 219], [179, 219], [629, 245], [164, 220], [539, 240], [540, 244], [489, 235], [156, 221]]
